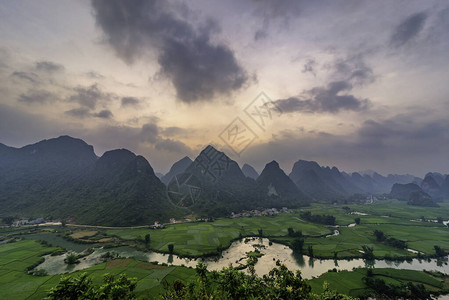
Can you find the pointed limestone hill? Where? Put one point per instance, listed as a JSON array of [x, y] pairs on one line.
[[275, 182], [224, 187], [63, 178], [178, 167], [320, 183], [404, 191], [249, 171]]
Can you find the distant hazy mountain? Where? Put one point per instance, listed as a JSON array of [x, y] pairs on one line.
[[63, 178], [436, 185], [159, 175], [411, 193], [403, 191], [178, 167], [321, 183], [249, 171]]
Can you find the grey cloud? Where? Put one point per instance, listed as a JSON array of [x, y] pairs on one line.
[[81, 112], [309, 66], [324, 100], [27, 76], [353, 69], [150, 132], [175, 131], [198, 68], [269, 11], [408, 29], [48, 66], [104, 114], [90, 96], [94, 75], [401, 144], [173, 146], [130, 101], [37, 96]]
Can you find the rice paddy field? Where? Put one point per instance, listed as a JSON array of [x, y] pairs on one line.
[[15, 283], [395, 218], [351, 282], [196, 239]]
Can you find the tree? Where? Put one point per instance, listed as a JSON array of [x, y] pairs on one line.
[[298, 244], [368, 252], [260, 232], [310, 251], [440, 220], [8, 220], [380, 236], [357, 221], [438, 251], [291, 232], [63, 223], [147, 239], [81, 287], [71, 259], [279, 283], [170, 248]]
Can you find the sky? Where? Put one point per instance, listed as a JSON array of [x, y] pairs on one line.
[[361, 85]]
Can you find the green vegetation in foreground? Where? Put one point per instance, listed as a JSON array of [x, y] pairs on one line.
[[16, 283], [353, 283], [196, 239]]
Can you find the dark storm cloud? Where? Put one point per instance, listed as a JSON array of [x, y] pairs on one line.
[[324, 100], [173, 146], [26, 76], [408, 29], [37, 96], [90, 96], [198, 68], [130, 101], [104, 114], [48, 66]]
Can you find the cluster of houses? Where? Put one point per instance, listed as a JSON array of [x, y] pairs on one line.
[[258, 213]]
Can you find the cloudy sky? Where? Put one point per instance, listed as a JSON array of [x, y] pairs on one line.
[[355, 84]]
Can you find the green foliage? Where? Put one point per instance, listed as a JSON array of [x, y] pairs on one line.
[[298, 244], [8, 220], [71, 259], [147, 239], [81, 287], [357, 221], [438, 251], [368, 252], [170, 248], [320, 219], [280, 283]]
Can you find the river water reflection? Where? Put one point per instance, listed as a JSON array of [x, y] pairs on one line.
[[235, 255]]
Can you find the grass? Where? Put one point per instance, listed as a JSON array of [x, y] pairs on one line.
[[196, 239], [351, 282], [15, 283]]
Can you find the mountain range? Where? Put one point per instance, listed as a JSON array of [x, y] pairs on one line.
[[63, 178]]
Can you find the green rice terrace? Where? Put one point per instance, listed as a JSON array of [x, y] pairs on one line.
[[387, 240]]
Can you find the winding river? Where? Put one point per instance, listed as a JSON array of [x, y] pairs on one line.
[[235, 255]]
